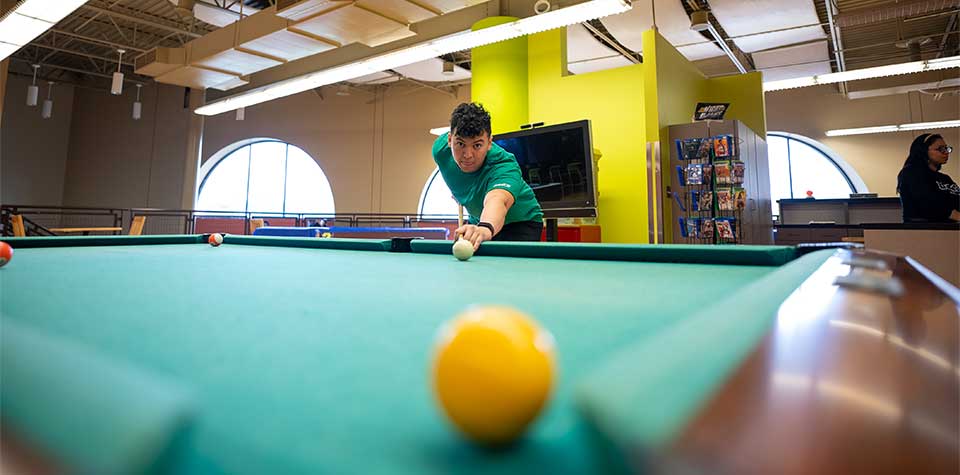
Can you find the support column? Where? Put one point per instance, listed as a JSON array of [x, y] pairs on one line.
[[192, 150], [4, 65], [3, 90]]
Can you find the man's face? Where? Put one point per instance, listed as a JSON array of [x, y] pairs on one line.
[[470, 152]]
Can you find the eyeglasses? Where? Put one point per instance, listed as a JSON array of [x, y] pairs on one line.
[[945, 149]]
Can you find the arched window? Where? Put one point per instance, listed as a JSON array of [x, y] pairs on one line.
[[264, 176], [800, 164], [436, 199]]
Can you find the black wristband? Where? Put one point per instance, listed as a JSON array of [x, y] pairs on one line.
[[487, 225]]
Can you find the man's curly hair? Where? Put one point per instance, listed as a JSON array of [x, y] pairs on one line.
[[469, 120]]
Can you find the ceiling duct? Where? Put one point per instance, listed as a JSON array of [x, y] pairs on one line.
[[914, 46], [225, 58], [184, 8], [866, 16]]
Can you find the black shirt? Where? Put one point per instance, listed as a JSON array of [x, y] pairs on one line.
[[927, 195]]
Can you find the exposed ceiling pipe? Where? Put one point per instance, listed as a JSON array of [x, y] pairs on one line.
[[946, 36], [837, 43], [866, 16], [610, 42], [700, 21]]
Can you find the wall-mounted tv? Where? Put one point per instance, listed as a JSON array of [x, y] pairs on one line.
[[557, 162]]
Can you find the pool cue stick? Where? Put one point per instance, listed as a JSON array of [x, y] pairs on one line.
[[459, 217]]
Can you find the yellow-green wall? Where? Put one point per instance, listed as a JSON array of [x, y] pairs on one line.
[[499, 79], [613, 100], [744, 92], [675, 87], [627, 107], [680, 86]]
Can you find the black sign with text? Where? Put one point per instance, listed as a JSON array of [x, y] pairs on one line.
[[710, 111]]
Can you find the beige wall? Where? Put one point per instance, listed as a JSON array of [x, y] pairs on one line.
[[4, 65], [116, 161], [877, 158], [373, 148], [33, 150]]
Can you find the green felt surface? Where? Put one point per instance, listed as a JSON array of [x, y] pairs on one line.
[[94, 413], [677, 253], [314, 243], [636, 414], [306, 360], [67, 241]]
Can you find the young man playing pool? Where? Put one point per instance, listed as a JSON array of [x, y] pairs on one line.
[[486, 179]]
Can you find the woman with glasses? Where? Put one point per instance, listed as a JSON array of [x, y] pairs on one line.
[[927, 194]]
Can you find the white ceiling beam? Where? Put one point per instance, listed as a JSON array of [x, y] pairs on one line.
[[426, 30]]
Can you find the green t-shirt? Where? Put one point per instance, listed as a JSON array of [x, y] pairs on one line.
[[500, 171]]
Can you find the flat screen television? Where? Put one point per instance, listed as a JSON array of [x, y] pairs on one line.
[[557, 162]]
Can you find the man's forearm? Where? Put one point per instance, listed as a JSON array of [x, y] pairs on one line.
[[495, 213], [495, 207]]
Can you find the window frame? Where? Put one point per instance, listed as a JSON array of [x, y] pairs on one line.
[[848, 173], [426, 189], [217, 158]]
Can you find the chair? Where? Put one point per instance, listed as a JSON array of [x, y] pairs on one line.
[[18, 230], [576, 178], [534, 174], [255, 223], [136, 227]]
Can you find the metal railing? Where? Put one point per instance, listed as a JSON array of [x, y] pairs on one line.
[[185, 221], [39, 219]]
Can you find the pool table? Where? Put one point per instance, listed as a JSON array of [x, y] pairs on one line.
[[163, 354]]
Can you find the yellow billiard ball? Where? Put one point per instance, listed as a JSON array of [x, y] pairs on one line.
[[493, 371]]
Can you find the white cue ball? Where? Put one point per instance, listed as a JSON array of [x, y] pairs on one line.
[[462, 249]]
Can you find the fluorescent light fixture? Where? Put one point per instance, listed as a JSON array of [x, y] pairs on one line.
[[889, 91], [49, 11], [862, 130], [700, 22], [6, 49], [581, 12], [21, 29], [865, 73], [943, 124], [440, 130], [29, 19]]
